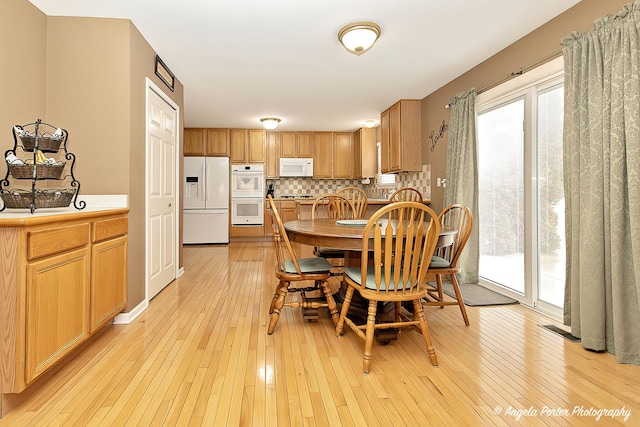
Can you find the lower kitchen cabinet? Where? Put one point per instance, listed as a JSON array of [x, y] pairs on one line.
[[287, 209], [62, 277], [57, 316]]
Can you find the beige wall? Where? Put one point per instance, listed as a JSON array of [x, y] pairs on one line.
[[23, 49], [536, 45], [87, 75], [88, 94]]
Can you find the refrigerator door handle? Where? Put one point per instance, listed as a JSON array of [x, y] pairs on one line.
[[205, 174]]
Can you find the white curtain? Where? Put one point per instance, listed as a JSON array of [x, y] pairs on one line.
[[462, 174], [602, 184]]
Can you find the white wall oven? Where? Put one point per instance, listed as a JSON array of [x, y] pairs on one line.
[[247, 194], [247, 181], [247, 211]]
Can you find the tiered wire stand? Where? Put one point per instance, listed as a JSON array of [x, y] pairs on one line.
[[35, 139]]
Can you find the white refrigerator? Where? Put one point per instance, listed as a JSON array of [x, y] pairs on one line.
[[206, 200]]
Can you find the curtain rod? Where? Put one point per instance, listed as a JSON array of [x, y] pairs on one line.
[[518, 72]]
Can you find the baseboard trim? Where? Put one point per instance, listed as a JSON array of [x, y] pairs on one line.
[[129, 317]]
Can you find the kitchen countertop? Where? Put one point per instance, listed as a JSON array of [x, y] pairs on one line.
[[308, 201], [96, 205]]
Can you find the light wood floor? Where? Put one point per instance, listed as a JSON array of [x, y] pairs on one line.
[[200, 356]]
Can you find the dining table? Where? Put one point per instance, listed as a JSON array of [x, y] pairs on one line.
[[347, 235]]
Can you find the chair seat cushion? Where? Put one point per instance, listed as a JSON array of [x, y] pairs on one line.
[[437, 262], [326, 252], [354, 274], [308, 265]]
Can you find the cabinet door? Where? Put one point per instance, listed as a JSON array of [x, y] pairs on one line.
[[367, 153], [194, 142], [288, 211], [343, 155], [108, 280], [304, 144], [395, 143], [288, 144], [357, 147], [322, 154], [256, 146], [57, 317], [384, 141], [217, 143], [238, 146], [273, 155]]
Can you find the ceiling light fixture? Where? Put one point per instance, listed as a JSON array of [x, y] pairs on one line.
[[270, 122], [358, 37], [370, 123]]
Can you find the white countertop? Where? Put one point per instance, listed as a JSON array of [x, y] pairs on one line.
[[94, 203]]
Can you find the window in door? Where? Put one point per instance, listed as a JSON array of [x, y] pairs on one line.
[[521, 195]]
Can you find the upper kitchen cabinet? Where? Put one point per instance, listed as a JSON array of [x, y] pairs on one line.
[[206, 142], [400, 131], [296, 144], [364, 141], [218, 143], [247, 146], [272, 167], [194, 141], [322, 154], [343, 155]]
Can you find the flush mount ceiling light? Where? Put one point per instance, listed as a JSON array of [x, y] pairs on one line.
[[358, 37], [370, 123], [270, 122]]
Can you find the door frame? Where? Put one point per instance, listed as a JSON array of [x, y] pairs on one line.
[[151, 86]]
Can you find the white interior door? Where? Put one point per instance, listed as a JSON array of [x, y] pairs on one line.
[[162, 141]]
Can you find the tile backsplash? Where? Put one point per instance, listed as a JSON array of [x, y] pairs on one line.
[[316, 187]]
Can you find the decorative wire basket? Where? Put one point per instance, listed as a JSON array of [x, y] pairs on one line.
[[43, 171], [21, 199], [46, 143]]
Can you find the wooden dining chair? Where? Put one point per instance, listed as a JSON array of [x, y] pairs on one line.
[[290, 269], [445, 260], [358, 199], [396, 278], [406, 194], [332, 206]]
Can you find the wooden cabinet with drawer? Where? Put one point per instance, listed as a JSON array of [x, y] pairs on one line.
[[61, 277]]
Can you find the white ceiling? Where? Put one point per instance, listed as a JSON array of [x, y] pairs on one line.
[[245, 59]]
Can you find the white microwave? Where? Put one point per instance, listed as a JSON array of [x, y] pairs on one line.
[[296, 167]]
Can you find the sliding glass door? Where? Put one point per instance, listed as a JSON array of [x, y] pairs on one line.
[[521, 200]]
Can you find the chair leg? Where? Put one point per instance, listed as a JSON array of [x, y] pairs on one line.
[[370, 332], [418, 315], [331, 303], [397, 307], [456, 289], [345, 309], [277, 306], [275, 297], [439, 285]]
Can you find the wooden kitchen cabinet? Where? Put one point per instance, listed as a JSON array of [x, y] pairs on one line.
[[272, 167], [322, 154], [247, 146], [108, 270], [343, 155], [364, 141], [217, 143], [57, 316], [288, 210], [194, 141], [400, 129], [62, 278], [296, 144], [211, 142]]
